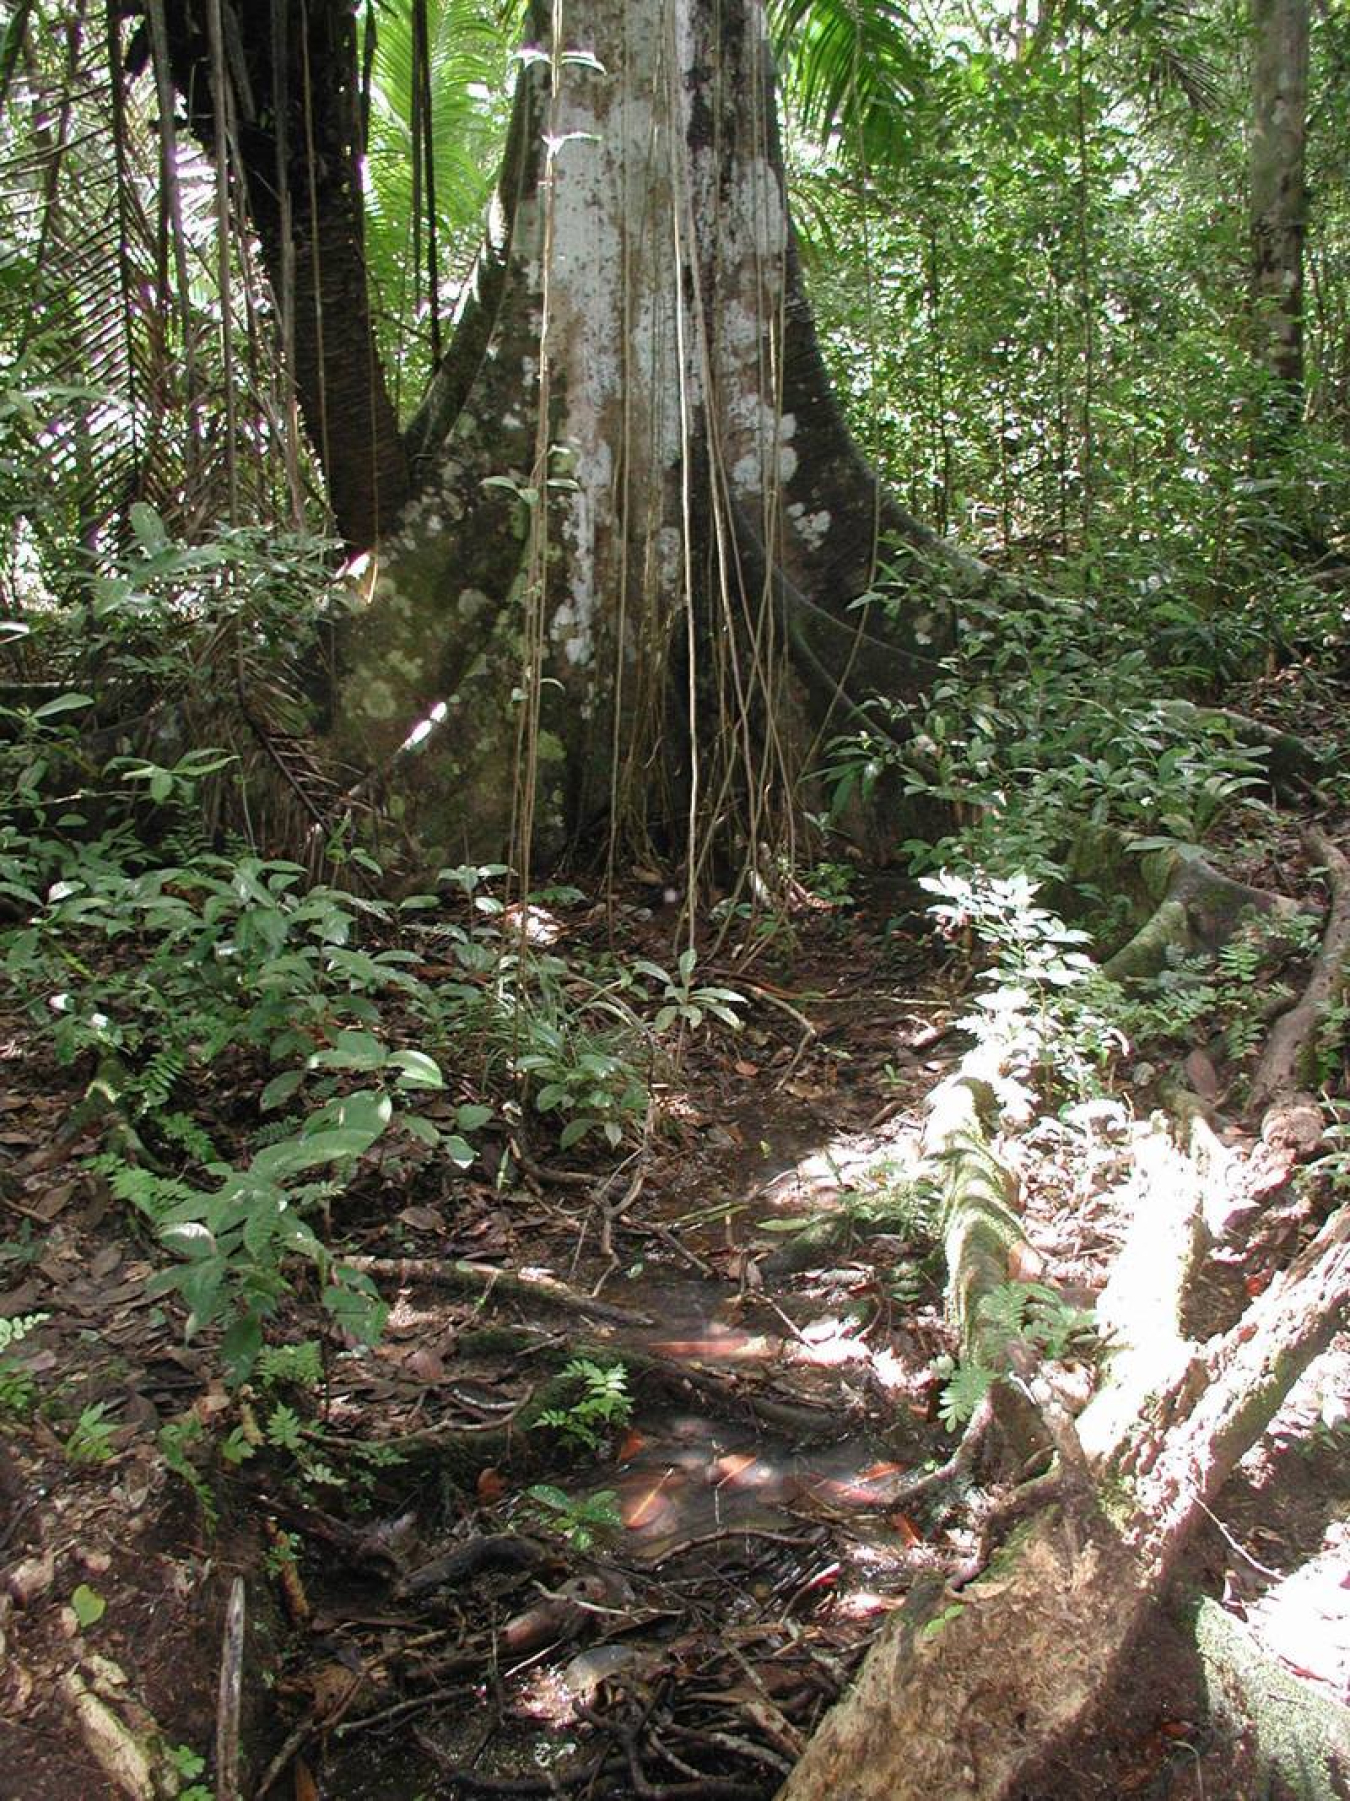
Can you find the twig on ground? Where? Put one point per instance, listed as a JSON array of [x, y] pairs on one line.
[[488, 1281], [230, 1695]]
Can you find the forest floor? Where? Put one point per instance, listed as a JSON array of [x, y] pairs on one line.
[[660, 1596]]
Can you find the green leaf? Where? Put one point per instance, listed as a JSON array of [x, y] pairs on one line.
[[88, 1605], [362, 1315], [417, 1070], [147, 525], [471, 1116], [63, 703], [353, 1050], [295, 1154], [459, 1151], [240, 1346], [368, 1110], [280, 1089]]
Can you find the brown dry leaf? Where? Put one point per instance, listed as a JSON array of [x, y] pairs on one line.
[[421, 1219], [332, 1685], [746, 1069], [54, 1200], [306, 1788], [426, 1365], [29, 1581], [1202, 1075], [906, 1531], [491, 1487]]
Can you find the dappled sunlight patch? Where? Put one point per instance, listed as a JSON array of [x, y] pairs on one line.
[[425, 727], [538, 926]]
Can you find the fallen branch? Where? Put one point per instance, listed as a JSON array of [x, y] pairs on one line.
[[231, 1694], [484, 1279]]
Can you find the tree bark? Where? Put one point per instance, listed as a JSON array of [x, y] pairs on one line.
[[640, 510], [970, 1695], [296, 140], [1279, 200]]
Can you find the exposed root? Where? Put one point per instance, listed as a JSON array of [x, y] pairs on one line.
[[968, 1697], [1287, 1062], [1301, 1737], [1198, 908]]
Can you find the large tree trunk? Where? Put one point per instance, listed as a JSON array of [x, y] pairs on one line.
[[1279, 200], [293, 122], [639, 510]]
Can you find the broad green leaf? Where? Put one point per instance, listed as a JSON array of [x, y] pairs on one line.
[[63, 703], [352, 1050], [458, 1151], [280, 1089], [88, 1606], [417, 1070], [295, 1154]]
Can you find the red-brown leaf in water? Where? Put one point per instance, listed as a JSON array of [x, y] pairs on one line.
[[649, 1504], [728, 1470]]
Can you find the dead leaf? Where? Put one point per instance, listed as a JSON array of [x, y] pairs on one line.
[[421, 1219], [54, 1201], [306, 1788], [906, 1531], [426, 1365], [29, 1581], [748, 1070], [333, 1686], [728, 1470], [1202, 1076], [648, 1506], [491, 1487], [106, 1260]]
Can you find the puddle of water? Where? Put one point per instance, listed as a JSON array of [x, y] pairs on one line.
[[688, 1477]]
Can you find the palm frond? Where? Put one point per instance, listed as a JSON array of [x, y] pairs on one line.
[[850, 68], [468, 44]]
